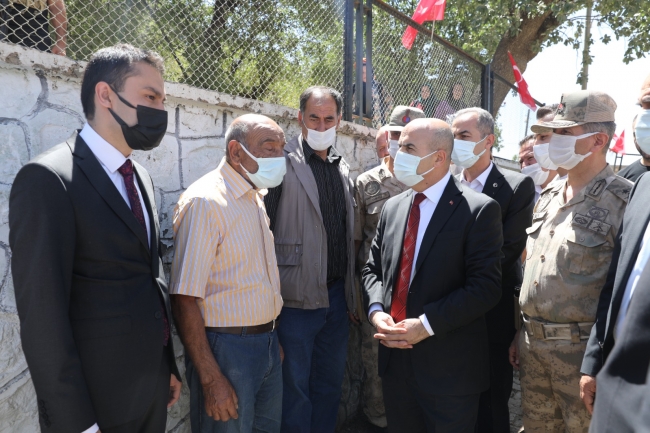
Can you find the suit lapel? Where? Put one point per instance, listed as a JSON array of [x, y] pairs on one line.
[[494, 182], [146, 188], [445, 207], [635, 232], [400, 221], [96, 175]]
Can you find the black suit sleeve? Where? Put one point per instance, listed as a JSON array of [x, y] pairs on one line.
[[594, 356], [515, 223], [42, 239], [482, 288], [371, 274]]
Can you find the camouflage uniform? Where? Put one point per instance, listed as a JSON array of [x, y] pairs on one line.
[[373, 188], [569, 249]]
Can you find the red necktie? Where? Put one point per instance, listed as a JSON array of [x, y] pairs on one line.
[[126, 170], [400, 293]]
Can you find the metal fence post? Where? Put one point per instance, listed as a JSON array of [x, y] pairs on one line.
[[369, 71], [358, 88], [487, 88], [348, 59]]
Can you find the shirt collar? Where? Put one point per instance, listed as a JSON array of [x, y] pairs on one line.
[[333, 155], [106, 154], [481, 178], [235, 181], [434, 192]]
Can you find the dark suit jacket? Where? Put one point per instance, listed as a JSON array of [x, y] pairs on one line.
[[515, 194], [623, 390], [626, 250], [457, 280], [88, 290]]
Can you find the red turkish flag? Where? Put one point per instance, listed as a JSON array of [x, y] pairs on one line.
[[619, 144], [522, 86], [426, 10]]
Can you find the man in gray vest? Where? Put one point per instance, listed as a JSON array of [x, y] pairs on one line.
[[312, 219]]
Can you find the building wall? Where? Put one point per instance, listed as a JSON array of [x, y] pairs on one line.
[[40, 107]]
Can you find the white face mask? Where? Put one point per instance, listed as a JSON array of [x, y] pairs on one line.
[[270, 171], [642, 131], [463, 153], [406, 167], [320, 140], [535, 172], [562, 150], [541, 155], [393, 147]]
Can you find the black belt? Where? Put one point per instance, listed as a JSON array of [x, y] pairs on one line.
[[245, 330]]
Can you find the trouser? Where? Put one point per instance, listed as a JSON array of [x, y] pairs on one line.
[[373, 397], [155, 419], [550, 385], [414, 409], [252, 365], [315, 347], [493, 412]]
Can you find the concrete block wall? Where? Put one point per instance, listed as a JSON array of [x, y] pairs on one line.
[[40, 107]]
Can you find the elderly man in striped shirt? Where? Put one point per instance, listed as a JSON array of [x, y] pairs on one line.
[[225, 285]]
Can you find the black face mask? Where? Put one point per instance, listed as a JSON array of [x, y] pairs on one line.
[[150, 129]]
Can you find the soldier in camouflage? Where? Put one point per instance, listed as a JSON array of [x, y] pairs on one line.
[[569, 248], [373, 188]]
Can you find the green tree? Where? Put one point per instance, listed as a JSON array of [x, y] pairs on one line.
[[488, 29]]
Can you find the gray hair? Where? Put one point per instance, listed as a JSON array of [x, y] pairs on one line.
[[608, 128], [443, 139], [333, 93], [484, 120], [236, 131]]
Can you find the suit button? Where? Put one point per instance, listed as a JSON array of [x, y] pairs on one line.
[[542, 257], [552, 232], [158, 315], [535, 283]]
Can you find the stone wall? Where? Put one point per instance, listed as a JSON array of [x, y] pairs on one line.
[[40, 107]]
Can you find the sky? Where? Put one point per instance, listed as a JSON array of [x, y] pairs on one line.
[[554, 71]]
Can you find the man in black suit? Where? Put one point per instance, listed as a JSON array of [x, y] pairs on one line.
[[433, 272], [618, 351], [515, 193], [90, 289]]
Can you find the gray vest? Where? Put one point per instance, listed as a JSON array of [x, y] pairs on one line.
[[300, 237]]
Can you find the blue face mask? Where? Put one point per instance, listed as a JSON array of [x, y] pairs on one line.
[[406, 167], [642, 131], [270, 171]]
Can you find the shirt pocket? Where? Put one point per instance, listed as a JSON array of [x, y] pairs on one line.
[[288, 252], [533, 233], [373, 211], [586, 251]]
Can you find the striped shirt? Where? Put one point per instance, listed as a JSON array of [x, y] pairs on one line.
[[225, 252]]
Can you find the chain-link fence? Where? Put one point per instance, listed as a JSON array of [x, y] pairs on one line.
[[263, 50], [429, 76]]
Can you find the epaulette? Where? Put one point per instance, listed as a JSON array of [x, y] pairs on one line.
[[621, 188]]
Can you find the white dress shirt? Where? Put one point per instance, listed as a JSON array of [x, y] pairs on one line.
[[111, 159], [427, 207], [479, 183], [639, 265]]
